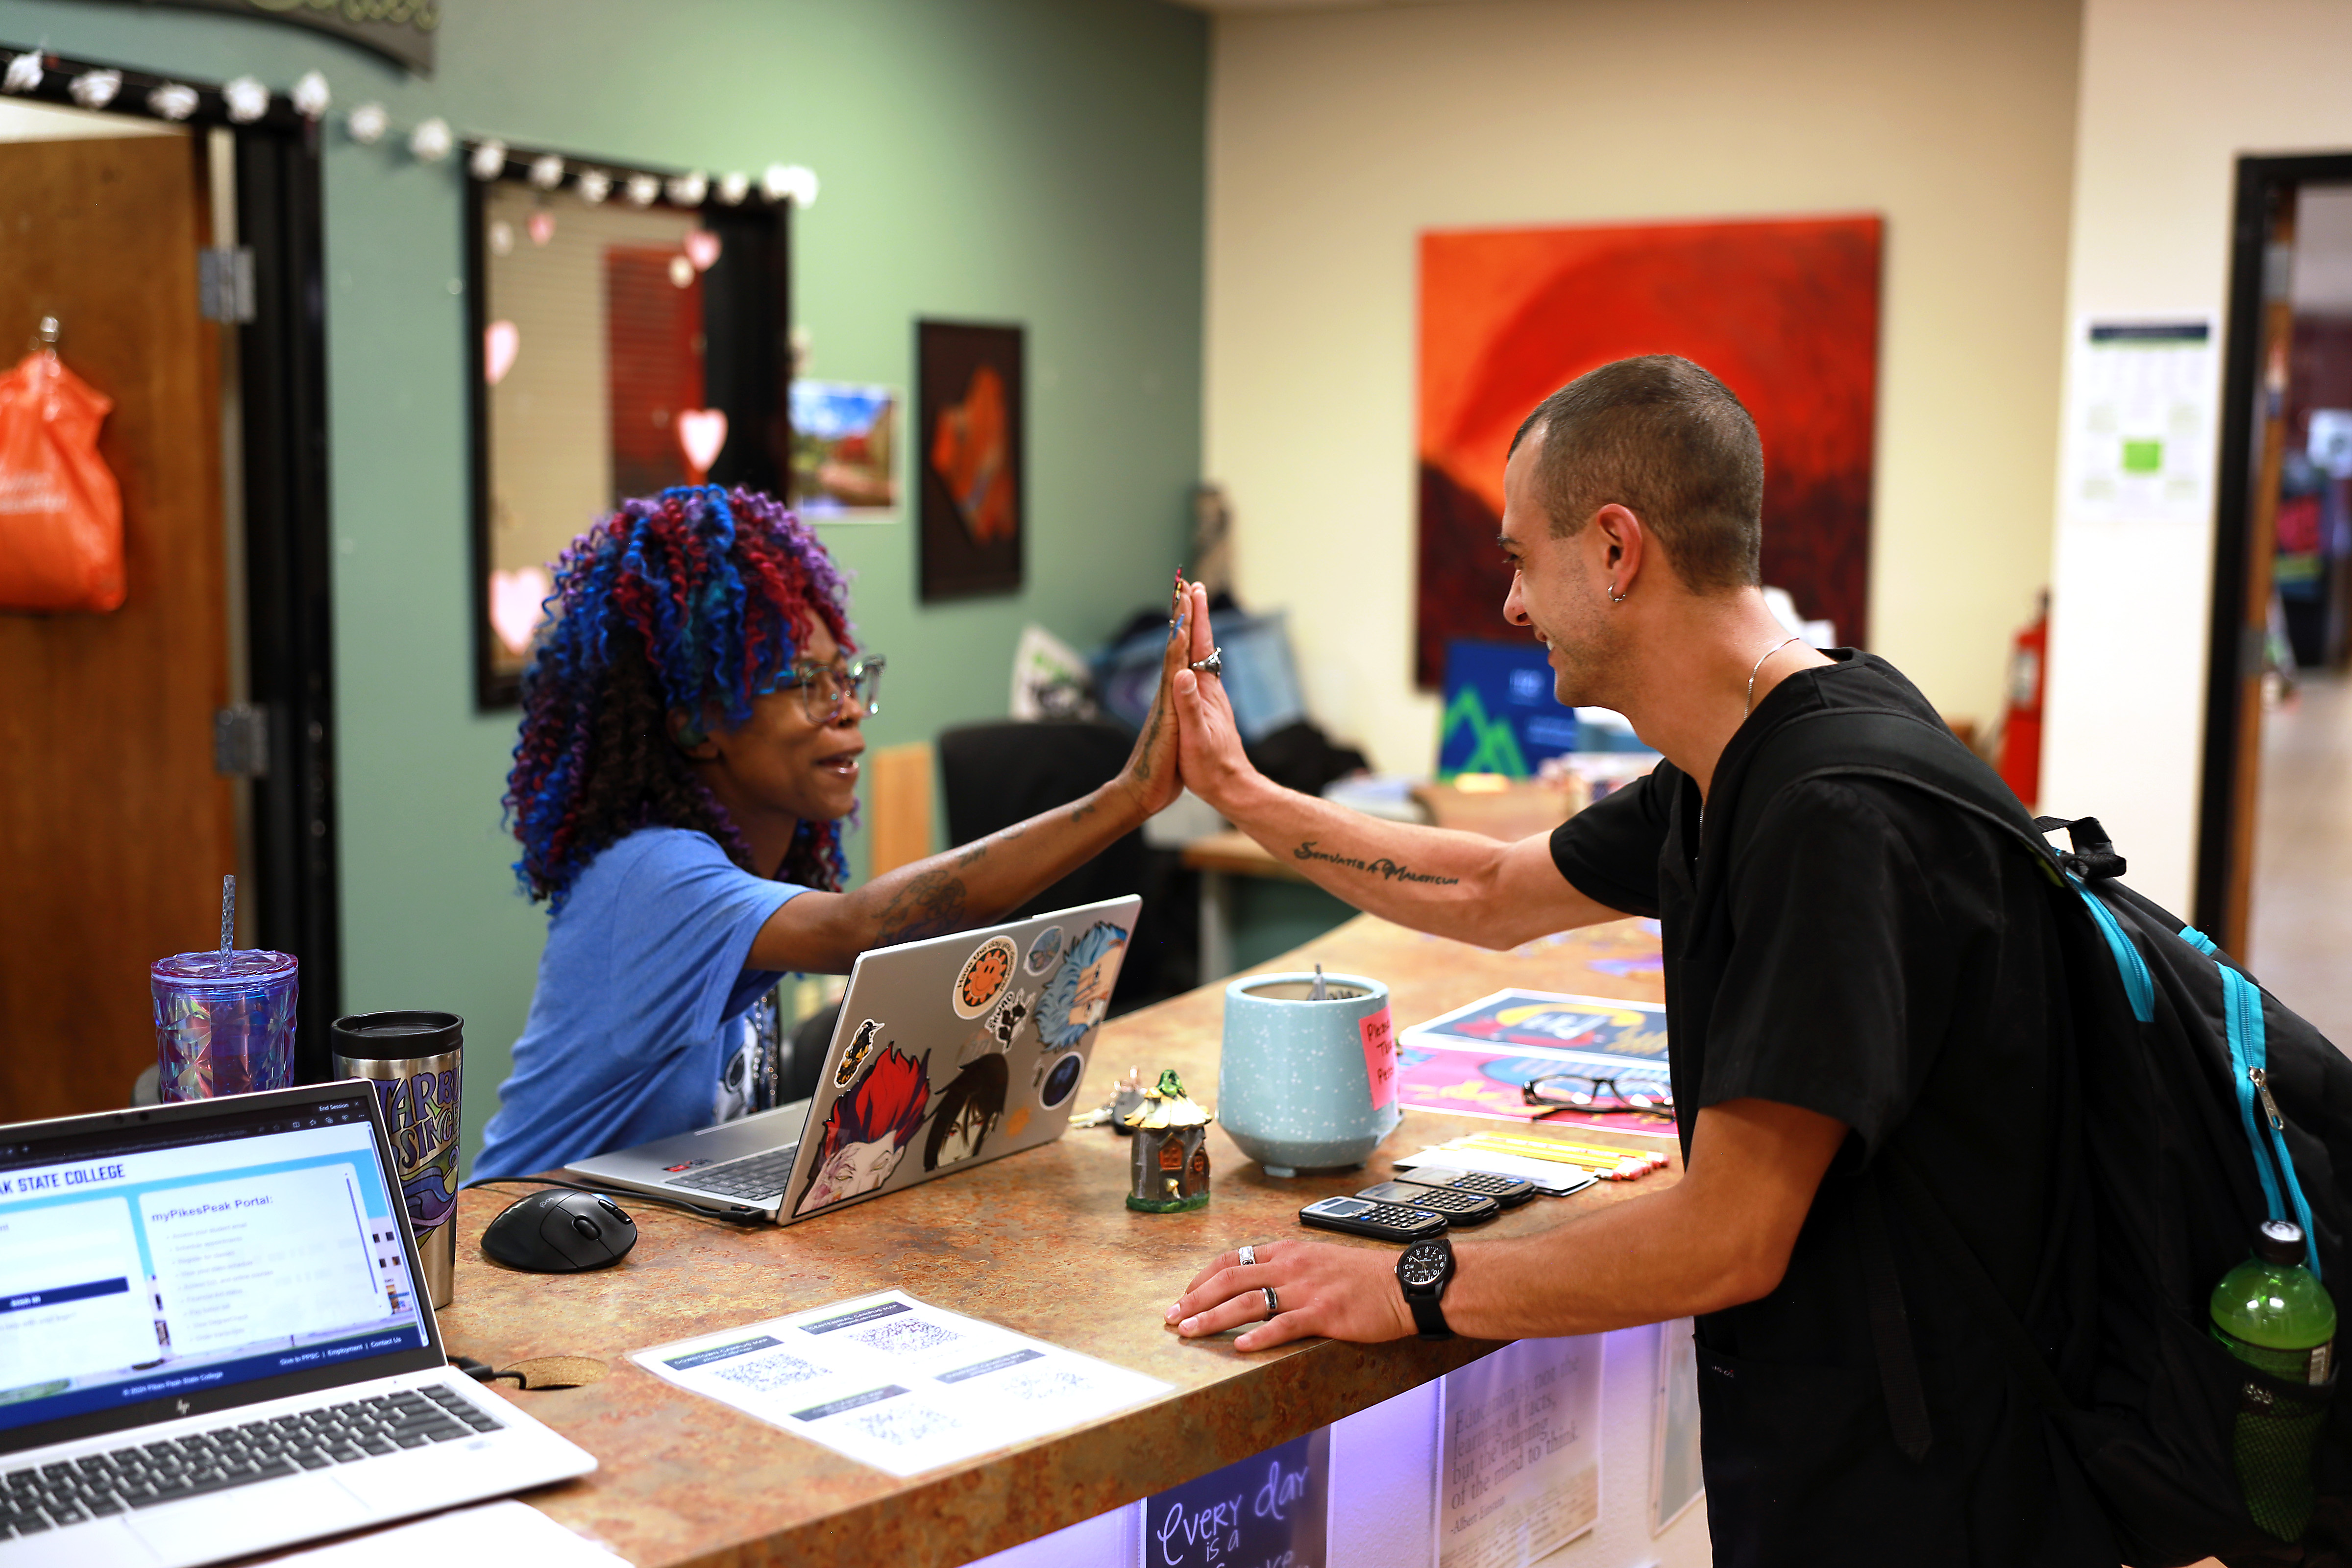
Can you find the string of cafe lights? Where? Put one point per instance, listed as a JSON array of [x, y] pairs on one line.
[[247, 100]]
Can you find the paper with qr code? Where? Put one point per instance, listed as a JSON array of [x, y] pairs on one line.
[[898, 1383]]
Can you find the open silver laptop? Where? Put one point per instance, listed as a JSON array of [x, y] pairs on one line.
[[948, 1052], [212, 1340]]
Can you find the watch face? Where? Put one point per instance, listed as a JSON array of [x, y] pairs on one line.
[[1423, 1263]]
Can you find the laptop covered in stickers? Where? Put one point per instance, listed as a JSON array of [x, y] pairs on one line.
[[948, 1052]]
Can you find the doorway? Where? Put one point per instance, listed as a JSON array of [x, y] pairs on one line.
[[2275, 851], [145, 751]]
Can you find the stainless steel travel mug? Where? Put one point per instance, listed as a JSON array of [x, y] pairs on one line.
[[413, 1061]]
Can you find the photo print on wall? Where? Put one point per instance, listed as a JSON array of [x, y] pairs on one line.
[[1785, 313], [969, 435]]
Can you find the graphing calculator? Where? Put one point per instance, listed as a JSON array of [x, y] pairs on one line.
[[1361, 1216], [1458, 1208], [1508, 1191]]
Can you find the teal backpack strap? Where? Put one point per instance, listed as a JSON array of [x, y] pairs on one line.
[[2139, 984], [2241, 1018], [2199, 941]]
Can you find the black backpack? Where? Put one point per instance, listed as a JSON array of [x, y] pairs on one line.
[[2201, 1107]]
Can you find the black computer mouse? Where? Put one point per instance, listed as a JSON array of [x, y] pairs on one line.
[[560, 1232]]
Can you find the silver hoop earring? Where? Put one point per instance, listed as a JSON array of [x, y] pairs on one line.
[[1615, 597]]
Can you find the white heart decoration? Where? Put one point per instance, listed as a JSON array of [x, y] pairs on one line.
[[501, 341], [701, 434], [542, 226], [702, 249], [515, 600]]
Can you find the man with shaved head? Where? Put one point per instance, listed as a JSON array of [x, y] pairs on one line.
[[1857, 975]]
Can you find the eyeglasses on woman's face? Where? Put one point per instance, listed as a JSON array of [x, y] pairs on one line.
[[823, 687]]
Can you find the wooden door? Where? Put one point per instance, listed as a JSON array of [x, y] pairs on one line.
[[2253, 628], [114, 829]]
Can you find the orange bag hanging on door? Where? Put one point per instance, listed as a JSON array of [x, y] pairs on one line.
[[60, 509]]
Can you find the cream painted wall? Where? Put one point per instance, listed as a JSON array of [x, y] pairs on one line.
[[1335, 138], [2173, 93]]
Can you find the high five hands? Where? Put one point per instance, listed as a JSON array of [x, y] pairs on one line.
[[1215, 768], [1152, 768]]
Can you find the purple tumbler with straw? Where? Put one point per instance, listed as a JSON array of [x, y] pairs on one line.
[[223, 1020]]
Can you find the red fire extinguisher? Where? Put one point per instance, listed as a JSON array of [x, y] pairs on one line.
[[2021, 731]]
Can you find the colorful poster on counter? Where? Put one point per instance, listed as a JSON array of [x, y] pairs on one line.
[[1540, 1021], [1521, 1470], [1475, 1060], [898, 1384]]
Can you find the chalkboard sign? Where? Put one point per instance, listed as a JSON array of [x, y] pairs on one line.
[[1270, 1511]]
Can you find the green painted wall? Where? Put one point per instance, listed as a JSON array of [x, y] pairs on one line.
[[1032, 161]]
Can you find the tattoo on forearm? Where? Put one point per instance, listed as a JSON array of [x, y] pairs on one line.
[[931, 904], [1383, 867], [1150, 740]]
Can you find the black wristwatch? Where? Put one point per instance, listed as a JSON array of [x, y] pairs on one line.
[[1425, 1270]]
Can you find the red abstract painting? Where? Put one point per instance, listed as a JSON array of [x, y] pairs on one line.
[[1784, 313]]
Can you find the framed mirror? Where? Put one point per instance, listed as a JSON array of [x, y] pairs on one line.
[[629, 330]]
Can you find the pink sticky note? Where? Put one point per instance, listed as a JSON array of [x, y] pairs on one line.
[[1379, 1057]]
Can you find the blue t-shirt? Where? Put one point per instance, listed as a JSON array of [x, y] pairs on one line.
[[641, 999]]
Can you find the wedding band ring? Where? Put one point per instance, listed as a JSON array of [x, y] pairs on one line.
[[1272, 1304], [1213, 665], [1249, 1256]]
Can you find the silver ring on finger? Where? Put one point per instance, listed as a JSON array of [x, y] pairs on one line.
[[1249, 1255], [1213, 665], [1273, 1303]]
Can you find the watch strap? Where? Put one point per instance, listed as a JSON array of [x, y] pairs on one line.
[[1428, 1316]]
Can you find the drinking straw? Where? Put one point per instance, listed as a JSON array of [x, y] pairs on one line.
[[228, 920], [1318, 994]]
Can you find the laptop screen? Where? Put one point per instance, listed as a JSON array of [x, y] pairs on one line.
[[176, 1259]]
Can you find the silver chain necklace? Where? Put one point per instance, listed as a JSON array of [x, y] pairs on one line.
[[1768, 652]]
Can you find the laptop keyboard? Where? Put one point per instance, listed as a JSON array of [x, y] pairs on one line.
[[70, 1491], [754, 1177]]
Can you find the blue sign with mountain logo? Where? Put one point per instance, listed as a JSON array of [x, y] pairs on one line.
[[1500, 715]]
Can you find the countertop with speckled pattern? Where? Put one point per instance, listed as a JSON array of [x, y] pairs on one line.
[[1040, 1242]]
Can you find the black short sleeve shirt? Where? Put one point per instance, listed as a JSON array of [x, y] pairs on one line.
[[1880, 957]]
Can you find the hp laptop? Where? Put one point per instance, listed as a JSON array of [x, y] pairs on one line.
[[212, 1340], [948, 1052]]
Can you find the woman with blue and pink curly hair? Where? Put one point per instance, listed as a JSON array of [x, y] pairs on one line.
[[690, 750]]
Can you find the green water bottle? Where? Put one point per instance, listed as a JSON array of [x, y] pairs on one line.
[[2271, 1312]]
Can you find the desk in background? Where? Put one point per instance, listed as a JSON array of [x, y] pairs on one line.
[[1041, 1242]]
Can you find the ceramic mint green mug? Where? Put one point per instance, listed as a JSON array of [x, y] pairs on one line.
[[1307, 1084]]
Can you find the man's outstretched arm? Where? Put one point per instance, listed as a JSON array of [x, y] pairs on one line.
[[1461, 885], [1719, 1236]]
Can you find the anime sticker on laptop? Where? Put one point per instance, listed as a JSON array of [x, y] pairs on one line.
[[984, 976], [860, 1047], [1057, 1082], [1075, 1000], [969, 1109], [868, 1130]]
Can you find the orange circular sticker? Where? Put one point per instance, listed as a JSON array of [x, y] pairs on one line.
[[984, 976]]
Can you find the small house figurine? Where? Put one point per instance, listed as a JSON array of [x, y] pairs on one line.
[[1169, 1168]]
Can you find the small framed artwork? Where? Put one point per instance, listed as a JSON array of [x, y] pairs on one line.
[[844, 451], [968, 443], [1675, 1480]]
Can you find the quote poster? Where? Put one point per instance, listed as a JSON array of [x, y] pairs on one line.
[[1270, 1511], [1521, 1472]]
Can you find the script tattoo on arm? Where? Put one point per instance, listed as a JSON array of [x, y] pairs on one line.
[[1383, 867]]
